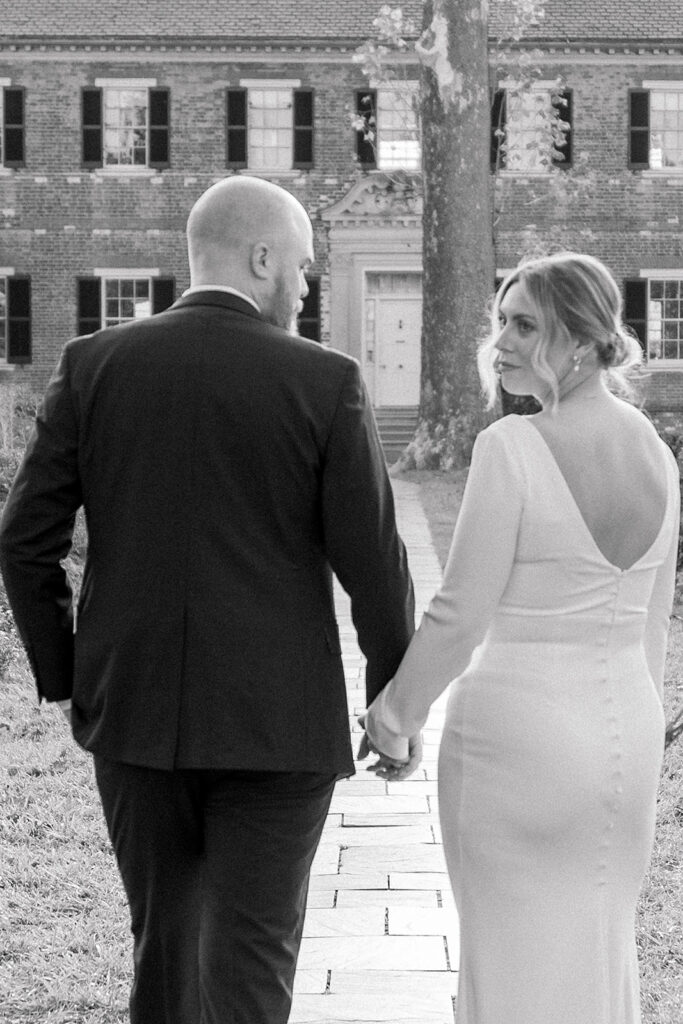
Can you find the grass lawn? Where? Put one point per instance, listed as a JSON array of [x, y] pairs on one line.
[[660, 912]]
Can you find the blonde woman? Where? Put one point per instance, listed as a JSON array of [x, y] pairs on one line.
[[552, 619]]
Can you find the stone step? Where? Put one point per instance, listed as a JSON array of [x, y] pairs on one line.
[[396, 426]]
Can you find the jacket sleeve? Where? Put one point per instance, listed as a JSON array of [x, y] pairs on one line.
[[361, 540], [455, 623], [36, 534], [661, 599]]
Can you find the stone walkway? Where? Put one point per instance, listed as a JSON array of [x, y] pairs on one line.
[[381, 935]]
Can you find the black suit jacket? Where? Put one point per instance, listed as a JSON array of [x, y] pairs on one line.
[[224, 467]]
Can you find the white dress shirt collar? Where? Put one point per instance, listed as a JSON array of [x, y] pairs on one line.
[[220, 288]]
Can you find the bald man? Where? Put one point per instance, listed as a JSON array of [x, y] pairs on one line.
[[225, 466]]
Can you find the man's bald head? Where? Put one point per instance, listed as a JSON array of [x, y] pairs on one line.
[[247, 233], [230, 218]]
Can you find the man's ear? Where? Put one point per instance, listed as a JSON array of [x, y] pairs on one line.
[[259, 261]]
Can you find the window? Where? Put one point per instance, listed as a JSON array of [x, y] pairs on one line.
[[654, 311], [309, 318], [656, 127], [113, 297], [15, 317], [125, 125], [269, 126], [531, 128], [387, 128], [12, 127]]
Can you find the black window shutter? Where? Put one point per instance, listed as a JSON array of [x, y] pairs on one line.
[[13, 148], [236, 128], [159, 128], [303, 128], [639, 129], [89, 305], [18, 320], [163, 293], [563, 109], [309, 318], [91, 112], [635, 308], [498, 121], [366, 109]]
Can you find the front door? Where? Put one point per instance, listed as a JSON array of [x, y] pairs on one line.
[[396, 319]]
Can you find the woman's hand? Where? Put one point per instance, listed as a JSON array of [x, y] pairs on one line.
[[390, 768]]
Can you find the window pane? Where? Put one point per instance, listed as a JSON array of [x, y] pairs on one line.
[[127, 299], [125, 127], [665, 319], [666, 128], [398, 140], [270, 129], [528, 130]]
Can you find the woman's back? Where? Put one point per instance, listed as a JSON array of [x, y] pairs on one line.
[[613, 465]]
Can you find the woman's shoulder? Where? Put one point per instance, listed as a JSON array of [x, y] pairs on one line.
[[505, 433], [504, 442]]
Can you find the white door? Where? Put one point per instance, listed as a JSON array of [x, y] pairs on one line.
[[398, 351], [393, 328]]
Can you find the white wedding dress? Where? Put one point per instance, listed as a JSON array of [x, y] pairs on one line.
[[553, 740]]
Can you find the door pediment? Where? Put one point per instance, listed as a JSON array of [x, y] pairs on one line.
[[380, 200]]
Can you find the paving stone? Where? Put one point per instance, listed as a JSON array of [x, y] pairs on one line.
[[385, 952], [421, 921], [370, 880], [362, 784], [393, 820], [368, 802], [311, 982], [322, 899], [412, 787], [377, 836], [326, 860], [370, 1008], [358, 921], [387, 898], [424, 857], [404, 983], [420, 880]]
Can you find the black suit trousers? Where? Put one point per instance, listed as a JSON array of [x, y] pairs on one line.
[[215, 865]]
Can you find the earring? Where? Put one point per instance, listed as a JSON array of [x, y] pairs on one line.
[[577, 362]]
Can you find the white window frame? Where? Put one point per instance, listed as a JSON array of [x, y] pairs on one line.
[[657, 274], [395, 89], [121, 84], [107, 274], [656, 85], [514, 90], [254, 85]]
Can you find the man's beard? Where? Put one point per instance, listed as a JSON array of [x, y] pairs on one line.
[[281, 313]]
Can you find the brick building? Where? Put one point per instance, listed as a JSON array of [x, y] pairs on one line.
[[114, 118]]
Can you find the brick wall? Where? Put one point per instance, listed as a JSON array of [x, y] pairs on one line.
[[630, 220], [59, 221]]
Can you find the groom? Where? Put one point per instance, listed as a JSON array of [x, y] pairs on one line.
[[224, 466]]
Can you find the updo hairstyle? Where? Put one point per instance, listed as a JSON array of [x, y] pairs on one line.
[[577, 301]]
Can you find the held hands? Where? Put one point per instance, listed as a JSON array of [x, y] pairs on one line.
[[388, 767]]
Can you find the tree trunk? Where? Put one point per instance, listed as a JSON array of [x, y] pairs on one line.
[[458, 252]]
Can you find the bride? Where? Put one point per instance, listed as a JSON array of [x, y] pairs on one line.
[[552, 619]]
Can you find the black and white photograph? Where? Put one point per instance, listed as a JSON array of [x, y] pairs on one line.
[[341, 584]]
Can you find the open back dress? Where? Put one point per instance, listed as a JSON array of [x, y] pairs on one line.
[[553, 740]]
